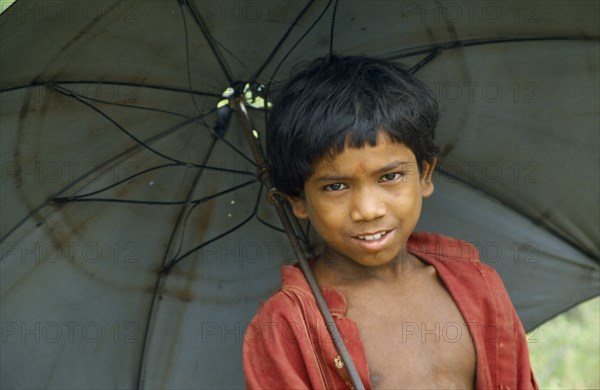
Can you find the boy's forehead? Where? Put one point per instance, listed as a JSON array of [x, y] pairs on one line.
[[362, 159]]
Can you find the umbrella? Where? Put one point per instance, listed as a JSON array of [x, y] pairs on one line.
[[136, 242]]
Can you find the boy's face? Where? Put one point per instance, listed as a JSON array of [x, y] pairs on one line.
[[366, 202]]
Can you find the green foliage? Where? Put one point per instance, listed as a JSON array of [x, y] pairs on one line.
[[4, 4], [565, 352]]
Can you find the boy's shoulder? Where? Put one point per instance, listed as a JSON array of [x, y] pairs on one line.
[[293, 300], [434, 247], [457, 263], [449, 254]]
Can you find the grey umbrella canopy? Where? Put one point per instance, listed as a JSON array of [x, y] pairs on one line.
[[136, 242]]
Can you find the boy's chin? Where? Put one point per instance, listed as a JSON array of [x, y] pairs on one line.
[[370, 260]]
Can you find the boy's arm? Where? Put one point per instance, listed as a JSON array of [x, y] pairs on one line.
[[272, 352]]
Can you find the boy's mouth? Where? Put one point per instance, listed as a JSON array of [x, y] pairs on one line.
[[374, 242], [372, 237]]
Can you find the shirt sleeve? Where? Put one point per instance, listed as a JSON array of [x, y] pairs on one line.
[[272, 351]]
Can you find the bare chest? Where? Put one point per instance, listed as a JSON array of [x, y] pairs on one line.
[[416, 340]]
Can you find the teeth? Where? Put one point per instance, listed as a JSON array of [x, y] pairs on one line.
[[373, 237]]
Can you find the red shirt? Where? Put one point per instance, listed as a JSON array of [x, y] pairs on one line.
[[287, 344]]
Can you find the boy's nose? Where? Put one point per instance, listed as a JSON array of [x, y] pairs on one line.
[[367, 206]]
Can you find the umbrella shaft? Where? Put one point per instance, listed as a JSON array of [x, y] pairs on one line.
[[277, 200]]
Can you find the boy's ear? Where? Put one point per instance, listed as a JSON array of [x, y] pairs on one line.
[[298, 206], [426, 178]]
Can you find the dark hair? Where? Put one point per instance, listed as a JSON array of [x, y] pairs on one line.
[[338, 101]]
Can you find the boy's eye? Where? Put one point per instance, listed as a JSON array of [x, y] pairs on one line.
[[390, 176], [334, 187]]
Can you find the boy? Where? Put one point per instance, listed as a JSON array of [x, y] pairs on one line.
[[351, 144]]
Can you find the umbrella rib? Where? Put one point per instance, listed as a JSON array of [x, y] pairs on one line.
[[551, 231], [53, 199], [120, 155], [298, 42], [61, 89], [155, 168], [199, 117], [471, 42], [430, 57], [124, 105], [282, 39], [332, 27], [207, 35], [176, 260], [188, 213], [292, 49], [303, 237], [151, 169], [153, 202], [232, 55], [232, 146], [256, 207], [80, 178], [269, 225], [66, 92], [187, 59], [183, 224], [160, 275]]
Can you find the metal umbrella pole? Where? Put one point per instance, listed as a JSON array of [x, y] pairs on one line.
[[276, 199]]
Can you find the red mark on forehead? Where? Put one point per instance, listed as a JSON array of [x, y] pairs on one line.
[[361, 168]]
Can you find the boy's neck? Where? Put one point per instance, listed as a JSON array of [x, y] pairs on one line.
[[334, 269]]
